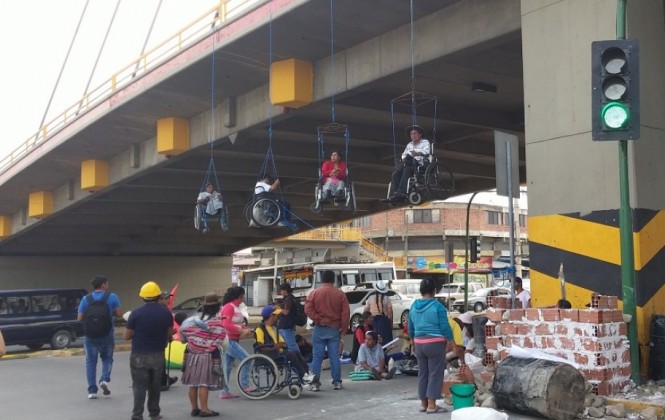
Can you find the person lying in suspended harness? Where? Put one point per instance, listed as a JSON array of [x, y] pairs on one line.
[[264, 187], [414, 155], [210, 202]]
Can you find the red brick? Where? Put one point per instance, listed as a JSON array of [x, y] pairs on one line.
[[508, 328], [445, 388], [613, 302], [591, 316], [512, 340], [493, 343], [626, 371], [597, 374], [601, 360], [489, 359], [487, 377], [532, 314], [516, 314], [543, 329], [571, 314], [581, 358], [523, 328], [503, 355], [546, 343], [567, 343], [560, 329], [495, 315], [528, 343], [623, 329], [490, 330], [551, 315], [625, 356], [603, 302], [614, 315], [591, 344]]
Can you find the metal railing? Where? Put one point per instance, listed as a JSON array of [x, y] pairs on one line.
[[219, 16], [341, 233]]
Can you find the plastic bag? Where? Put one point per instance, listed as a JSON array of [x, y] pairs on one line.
[[478, 413]]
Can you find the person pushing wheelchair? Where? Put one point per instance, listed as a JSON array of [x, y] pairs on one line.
[[414, 155]]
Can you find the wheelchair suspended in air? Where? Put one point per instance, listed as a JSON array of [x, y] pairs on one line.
[[344, 199], [268, 376], [265, 211], [201, 217], [430, 181]]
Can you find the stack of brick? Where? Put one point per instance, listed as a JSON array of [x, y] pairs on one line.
[[594, 338]]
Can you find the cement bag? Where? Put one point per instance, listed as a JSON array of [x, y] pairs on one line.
[[478, 413]]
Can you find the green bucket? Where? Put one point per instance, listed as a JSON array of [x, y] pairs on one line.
[[463, 395]]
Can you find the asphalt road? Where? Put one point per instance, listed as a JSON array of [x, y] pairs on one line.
[[43, 386]]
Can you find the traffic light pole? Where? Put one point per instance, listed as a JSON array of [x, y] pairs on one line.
[[626, 231], [466, 255]]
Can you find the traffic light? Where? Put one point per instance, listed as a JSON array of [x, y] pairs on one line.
[[615, 90], [474, 249]]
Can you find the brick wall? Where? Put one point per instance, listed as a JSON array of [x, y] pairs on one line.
[[593, 338]]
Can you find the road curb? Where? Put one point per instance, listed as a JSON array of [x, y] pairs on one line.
[[637, 406]]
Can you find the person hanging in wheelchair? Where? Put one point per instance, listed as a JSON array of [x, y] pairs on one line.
[[333, 172], [415, 155], [269, 342], [210, 203], [264, 187]]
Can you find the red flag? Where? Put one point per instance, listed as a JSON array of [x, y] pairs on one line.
[[172, 296]]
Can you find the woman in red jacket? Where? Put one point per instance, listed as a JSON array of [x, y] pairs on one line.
[[334, 175]]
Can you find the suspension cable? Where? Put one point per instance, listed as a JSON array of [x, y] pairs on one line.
[[147, 37], [57, 82]]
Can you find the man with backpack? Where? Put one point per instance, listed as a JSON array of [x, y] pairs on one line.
[[96, 310], [291, 315]]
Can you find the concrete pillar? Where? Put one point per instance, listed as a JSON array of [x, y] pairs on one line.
[[195, 275], [573, 181]]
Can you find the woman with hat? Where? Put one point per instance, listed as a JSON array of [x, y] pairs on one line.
[[414, 154], [201, 344], [379, 305]]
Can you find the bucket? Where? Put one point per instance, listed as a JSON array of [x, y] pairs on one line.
[[463, 395]]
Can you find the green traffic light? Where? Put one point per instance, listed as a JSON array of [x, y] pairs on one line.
[[615, 115]]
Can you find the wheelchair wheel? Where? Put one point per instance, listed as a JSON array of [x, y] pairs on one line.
[[247, 211], [224, 218], [350, 203], [415, 198], [294, 391], [263, 376], [266, 212], [439, 180], [197, 217]]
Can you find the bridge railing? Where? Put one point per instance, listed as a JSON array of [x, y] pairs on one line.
[[221, 15]]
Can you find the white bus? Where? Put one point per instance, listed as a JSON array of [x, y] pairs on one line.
[[262, 284]]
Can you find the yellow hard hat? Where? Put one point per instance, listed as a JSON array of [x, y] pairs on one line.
[[150, 290]]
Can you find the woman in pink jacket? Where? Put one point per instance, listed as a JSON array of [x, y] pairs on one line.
[[334, 175], [233, 322]]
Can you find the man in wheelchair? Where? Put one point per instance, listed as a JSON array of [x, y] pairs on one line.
[[414, 156], [269, 342], [265, 186], [210, 204]]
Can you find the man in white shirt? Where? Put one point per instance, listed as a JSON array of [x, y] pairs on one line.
[[414, 155], [522, 294]]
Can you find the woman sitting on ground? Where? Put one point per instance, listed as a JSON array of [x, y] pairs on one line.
[[372, 359]]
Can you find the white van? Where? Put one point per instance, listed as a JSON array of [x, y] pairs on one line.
[[409, 287]]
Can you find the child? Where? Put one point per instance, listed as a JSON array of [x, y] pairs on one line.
[[184, 322], [305, 348]]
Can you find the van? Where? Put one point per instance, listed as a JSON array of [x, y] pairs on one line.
[[33, 318], [409, 288]]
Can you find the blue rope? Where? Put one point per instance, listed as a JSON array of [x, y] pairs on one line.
[[332, 59], [392, 117], [413, 59], [211, 134]]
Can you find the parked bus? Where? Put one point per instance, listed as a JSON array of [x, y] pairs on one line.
[[33, 318], [262, 284]]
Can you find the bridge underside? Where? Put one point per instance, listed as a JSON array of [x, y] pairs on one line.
[[148, 209]]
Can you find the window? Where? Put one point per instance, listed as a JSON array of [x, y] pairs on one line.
[[421, 216], [362, 221], [494, 217], [522, 220]]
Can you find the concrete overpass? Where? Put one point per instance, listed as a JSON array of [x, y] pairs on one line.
[[535, 52], [147, 208]]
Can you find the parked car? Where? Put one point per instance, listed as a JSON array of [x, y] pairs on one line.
[[192, 306], [478, 300], [452, 292], [401, 305], [409, 288]]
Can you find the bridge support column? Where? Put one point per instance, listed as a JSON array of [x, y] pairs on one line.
[[573, 181]]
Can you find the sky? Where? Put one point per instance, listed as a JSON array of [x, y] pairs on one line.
[[36, 34]]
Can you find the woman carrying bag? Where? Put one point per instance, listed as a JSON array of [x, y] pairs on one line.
[[379, 305]]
